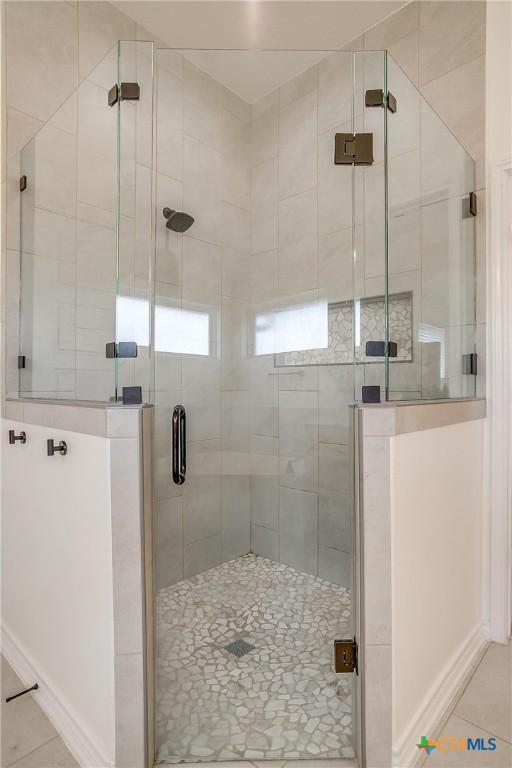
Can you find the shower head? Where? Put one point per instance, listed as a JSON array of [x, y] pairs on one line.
[[177, 220]]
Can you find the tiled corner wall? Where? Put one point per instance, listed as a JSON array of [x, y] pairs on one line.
[[300, 421], [283, 437]]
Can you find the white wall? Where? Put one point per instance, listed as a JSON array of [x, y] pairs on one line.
[[498, 81], [498, 147], [57, 610], [436, 522]]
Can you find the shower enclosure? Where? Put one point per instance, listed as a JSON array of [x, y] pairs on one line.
[[253, 242]]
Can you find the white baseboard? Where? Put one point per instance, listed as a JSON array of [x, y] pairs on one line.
[[65, 722], [440, 698]]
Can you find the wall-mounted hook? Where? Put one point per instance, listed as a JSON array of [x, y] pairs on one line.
[[13, 437], [52, 449]]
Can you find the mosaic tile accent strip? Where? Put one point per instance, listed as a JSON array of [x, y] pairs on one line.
[[372, 317], [280, 701]]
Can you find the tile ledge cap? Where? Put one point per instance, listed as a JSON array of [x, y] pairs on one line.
[[389, 419]]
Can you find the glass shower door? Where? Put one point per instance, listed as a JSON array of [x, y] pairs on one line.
[[253, 337]]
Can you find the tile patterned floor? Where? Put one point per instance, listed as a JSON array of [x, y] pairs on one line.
[[29, 740], [483, 710], [281, 700]]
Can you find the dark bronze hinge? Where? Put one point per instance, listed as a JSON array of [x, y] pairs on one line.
[[470, 364], [378, 349], [23, 183], [132, 395], [345, 656], [376, 98], [121, 349], [469, 206], [353, 149], [127, 92], [370, 393]]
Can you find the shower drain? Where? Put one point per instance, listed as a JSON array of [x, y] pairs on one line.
[[239, 648]]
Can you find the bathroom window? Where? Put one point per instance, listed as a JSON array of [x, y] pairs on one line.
[[177, 330]]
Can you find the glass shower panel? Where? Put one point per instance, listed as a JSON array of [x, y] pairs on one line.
[[253, 336], [135, 230], [370, 279], [431, 250], [68, 246]]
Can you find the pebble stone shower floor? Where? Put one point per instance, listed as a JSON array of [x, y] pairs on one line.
[[281, 699]]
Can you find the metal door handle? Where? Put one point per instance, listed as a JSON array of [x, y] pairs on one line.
[[179, 445]]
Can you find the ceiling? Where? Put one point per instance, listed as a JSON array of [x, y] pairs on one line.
[[305, 30]]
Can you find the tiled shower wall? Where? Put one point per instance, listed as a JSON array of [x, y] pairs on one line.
[[51, 47], [203, 168], [301, 238], [267, 446], [441, 47]]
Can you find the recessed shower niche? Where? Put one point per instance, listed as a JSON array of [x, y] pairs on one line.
[[207, 224], [336, 324]]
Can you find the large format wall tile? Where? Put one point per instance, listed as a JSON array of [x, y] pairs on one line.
[[20, 129], [298, 440], [100, 26], [169, 244], [202, 270], [202, 493], [264, 134], [201, 106], [53, 172], [297, 145], [298, 529], [42, 56], [393, 28], [451, 34], [236, 225], [335, 566], [235, 160], [97, 149], [263, 276], [264, 481], [335, 91], [448, 265], [404, 190], [202, 189], [298, 243], [298, 86], [264, 214], [464, 116], [264, 542], [334, 186], [201, 555], [236, 524], [335, 253], [169, 128]]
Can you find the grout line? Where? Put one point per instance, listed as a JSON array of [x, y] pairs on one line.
[[470, 722], [44, 744], [449, 71]]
